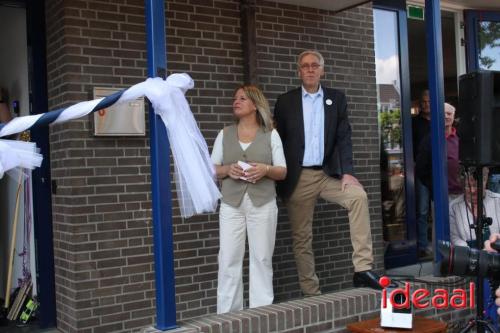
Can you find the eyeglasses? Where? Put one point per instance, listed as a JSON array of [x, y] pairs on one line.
[[313, 66]]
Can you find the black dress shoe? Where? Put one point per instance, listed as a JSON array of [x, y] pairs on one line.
[[366, 279], [424, 253]]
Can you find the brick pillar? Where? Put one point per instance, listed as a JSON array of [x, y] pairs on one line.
[[101, 206]]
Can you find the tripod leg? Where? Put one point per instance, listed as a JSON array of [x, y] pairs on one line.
[[490, 327], [469, 326]]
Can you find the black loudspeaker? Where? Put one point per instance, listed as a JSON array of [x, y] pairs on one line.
[[479, 113]]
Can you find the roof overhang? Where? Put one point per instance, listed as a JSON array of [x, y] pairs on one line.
[[466, 4], [336, 6], [340, 5]]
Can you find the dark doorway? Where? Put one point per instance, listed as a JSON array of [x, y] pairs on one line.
[[24, 75], [418, 57]]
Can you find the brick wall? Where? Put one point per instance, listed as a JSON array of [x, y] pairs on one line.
[[204, 40], [346, 41], [101, 208]]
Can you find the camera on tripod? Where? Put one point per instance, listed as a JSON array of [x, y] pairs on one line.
[[466, 261], [479, 106]]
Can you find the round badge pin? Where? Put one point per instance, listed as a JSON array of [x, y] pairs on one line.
[[328, 102]]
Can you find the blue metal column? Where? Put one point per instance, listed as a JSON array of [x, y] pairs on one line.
[[160, 176], [471, 22], [436, 92], [41, 177]]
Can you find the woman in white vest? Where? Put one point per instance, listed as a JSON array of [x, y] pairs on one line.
[[248, 158]]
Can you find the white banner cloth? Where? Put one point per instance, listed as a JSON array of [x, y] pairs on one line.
[[194, 171]]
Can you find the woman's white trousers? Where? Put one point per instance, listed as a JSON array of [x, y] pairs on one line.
[[259, 224]]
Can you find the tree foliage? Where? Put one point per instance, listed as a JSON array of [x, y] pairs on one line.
[[390, 124], [489, 36]]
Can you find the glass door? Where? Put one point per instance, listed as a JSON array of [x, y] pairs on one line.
[[483, 40], [396, 162]]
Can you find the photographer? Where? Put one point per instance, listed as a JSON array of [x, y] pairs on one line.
[[463, 212], [463, 217], [487, 246]]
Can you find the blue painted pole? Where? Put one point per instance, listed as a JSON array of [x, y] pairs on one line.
[[41, 177], [438, 139], [160, 176]]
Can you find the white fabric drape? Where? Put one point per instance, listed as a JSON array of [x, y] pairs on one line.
[[15, 154], [194, 171]]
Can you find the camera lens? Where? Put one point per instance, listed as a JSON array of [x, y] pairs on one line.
[[465, 261]]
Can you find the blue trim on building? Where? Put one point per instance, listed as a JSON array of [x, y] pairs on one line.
[[160, 176], [470, 35], [41, 178], [436, 92]]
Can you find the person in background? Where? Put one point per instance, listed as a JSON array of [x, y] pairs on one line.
[[313, 123], [463, 218], [463, 212], [397, 188], [5, 115], [248, 207], [423, 166], [420, 130]]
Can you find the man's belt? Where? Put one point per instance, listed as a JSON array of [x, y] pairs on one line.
[[313, 167]]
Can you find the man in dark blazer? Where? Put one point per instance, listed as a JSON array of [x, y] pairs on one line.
[[313, 124]]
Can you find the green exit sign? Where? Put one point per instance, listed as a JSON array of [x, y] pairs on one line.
[[415, 12]]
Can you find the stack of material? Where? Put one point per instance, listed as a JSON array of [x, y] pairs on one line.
[[18, 304]]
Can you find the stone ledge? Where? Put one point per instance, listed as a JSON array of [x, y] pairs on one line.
[[312, 314], [326, 313]]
